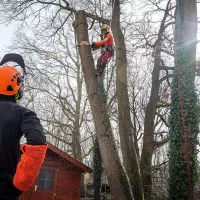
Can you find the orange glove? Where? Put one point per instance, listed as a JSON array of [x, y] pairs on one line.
[[99, 43], [29, 166]]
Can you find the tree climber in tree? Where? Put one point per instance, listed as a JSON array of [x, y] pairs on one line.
[[16, 121], [108, 44]]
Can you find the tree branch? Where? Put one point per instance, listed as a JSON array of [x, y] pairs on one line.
[[165, 78], [162, 118], [167, 52], [166, 68], [163, 105], [158, 144]]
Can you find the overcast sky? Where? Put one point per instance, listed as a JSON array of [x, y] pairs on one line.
[[5, 37]]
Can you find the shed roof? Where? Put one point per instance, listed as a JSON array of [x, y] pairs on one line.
[[69, 158]]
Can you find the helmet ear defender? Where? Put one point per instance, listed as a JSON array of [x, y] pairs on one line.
[[20, 80], [19, 94]]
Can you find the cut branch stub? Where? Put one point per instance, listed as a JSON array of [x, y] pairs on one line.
[[84, 43]]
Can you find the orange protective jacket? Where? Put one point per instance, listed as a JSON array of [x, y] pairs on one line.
[[107, 41]]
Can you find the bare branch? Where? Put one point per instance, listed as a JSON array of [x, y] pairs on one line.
[[158, 144], [165, 78], [162, 118], [163, 105], [166, 68]]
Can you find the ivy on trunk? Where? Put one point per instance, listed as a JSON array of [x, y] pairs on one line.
[[184, 116]]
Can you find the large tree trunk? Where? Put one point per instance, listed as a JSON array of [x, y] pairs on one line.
[[184, 120], [114, 171], [97, 160], [148, 138], [129, 155], [148, 146]]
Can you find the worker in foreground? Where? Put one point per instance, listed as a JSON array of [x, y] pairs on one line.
[[15, 121], [108, 44]]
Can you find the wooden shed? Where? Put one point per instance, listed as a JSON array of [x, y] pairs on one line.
[[59, 178]]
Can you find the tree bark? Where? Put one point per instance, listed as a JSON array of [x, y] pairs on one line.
[[76, 136], [97, 160], [129, 155], [76, 141], [97, 170], [148, 143], [184, 119], [115, 173]]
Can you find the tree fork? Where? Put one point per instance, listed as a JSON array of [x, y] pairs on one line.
[[126, 131], [116, 177]]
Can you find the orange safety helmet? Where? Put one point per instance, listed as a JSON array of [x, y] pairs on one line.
[[11, 82], [105, 27]]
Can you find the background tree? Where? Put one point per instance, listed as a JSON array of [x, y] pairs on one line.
[[149, 126], [126, 131]]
